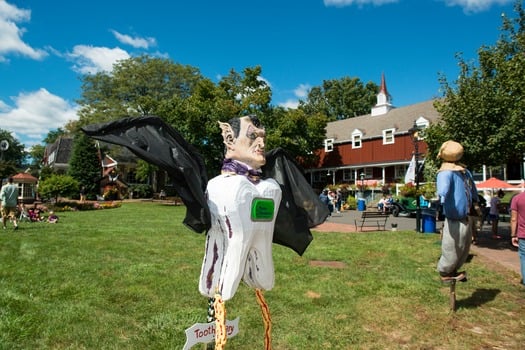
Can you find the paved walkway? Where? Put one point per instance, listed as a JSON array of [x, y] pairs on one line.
[[497, 250]]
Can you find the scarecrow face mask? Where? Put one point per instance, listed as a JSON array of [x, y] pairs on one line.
[[248, 145]]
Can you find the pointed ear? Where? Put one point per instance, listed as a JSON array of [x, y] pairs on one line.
[[227, 134]]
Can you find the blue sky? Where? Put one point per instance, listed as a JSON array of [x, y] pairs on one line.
[[45, 46]]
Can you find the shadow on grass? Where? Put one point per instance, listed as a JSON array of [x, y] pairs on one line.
[[478, 298]]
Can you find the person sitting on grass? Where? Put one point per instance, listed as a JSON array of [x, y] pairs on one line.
[[52, 218]]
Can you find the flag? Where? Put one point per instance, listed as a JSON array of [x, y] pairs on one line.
[[410, 175]]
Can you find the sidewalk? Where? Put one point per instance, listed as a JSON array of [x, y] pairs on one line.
[[499, 251]]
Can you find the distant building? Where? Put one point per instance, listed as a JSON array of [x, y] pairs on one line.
[[26, 187], [378, 145], [57, 154]]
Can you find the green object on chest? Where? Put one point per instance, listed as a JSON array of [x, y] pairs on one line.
[[262, 209]]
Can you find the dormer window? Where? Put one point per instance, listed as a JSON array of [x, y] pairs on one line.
[[357, 135], [328, 145], [388, 136]]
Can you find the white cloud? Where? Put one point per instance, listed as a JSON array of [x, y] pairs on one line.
[[302, 90], [290, 104], [35, 114], [136, 42], [342, 3], [11, 35], [91, 59], [469, 6], [473, 6]]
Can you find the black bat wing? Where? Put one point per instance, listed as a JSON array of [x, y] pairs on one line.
[[300, 207], [158, 143]]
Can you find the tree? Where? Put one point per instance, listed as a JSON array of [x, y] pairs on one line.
[[250, 94], [296, 132], [85, 164], [341, 98], [53, 135], [192, 104], [484, 110], [57, 186], [136, 87], [15, 153]]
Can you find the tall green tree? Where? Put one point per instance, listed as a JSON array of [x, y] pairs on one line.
[[296, 132], [85, 164], [135, 87], [341, 98], [248, 92], [193, 104], [484, 108], [53, 135]]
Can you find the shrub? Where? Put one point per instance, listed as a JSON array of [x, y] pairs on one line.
[[74, 206], [408, 190], [350, 204], [58, 186]]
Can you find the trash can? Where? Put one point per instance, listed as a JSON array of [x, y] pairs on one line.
[[429, 220], [361, 204]]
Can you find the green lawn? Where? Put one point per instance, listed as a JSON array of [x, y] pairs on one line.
[[127, 278]]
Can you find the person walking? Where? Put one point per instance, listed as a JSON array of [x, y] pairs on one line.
[[495, 204], [486, 210], [326, 200], [457, 194], [517, 228], [9, 200]]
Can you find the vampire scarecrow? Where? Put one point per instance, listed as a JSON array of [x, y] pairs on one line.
[[259, 198]]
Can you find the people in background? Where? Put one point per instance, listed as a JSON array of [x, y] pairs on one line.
[[34, 214], [52, 218], [517, 228], [381, 204], [495, 205], [486, 211], [326, 200], [338, 200], [331, 201], [9, 200]]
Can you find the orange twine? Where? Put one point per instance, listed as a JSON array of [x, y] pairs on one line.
[[266, 318]]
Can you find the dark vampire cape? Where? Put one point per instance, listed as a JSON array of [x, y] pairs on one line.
[[158, 143]]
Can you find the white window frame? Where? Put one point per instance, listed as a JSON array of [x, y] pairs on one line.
[[357, 141], [328, 145], [388, 136]]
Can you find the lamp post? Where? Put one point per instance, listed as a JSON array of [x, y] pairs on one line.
[[414, 132], [362, 177], [331, 172]]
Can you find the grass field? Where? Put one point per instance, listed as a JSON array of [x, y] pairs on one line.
[[127, 278]]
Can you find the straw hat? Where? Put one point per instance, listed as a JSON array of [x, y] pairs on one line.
[[451, 152]]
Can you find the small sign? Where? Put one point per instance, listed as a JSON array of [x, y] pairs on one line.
[[205, 332], [262, 209]]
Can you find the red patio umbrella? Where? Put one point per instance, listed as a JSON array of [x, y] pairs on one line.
[[493, 183]]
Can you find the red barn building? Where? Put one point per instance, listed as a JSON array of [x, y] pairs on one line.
[[378, 145]]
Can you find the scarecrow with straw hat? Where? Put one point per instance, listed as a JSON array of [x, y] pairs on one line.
[[459, 198]]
